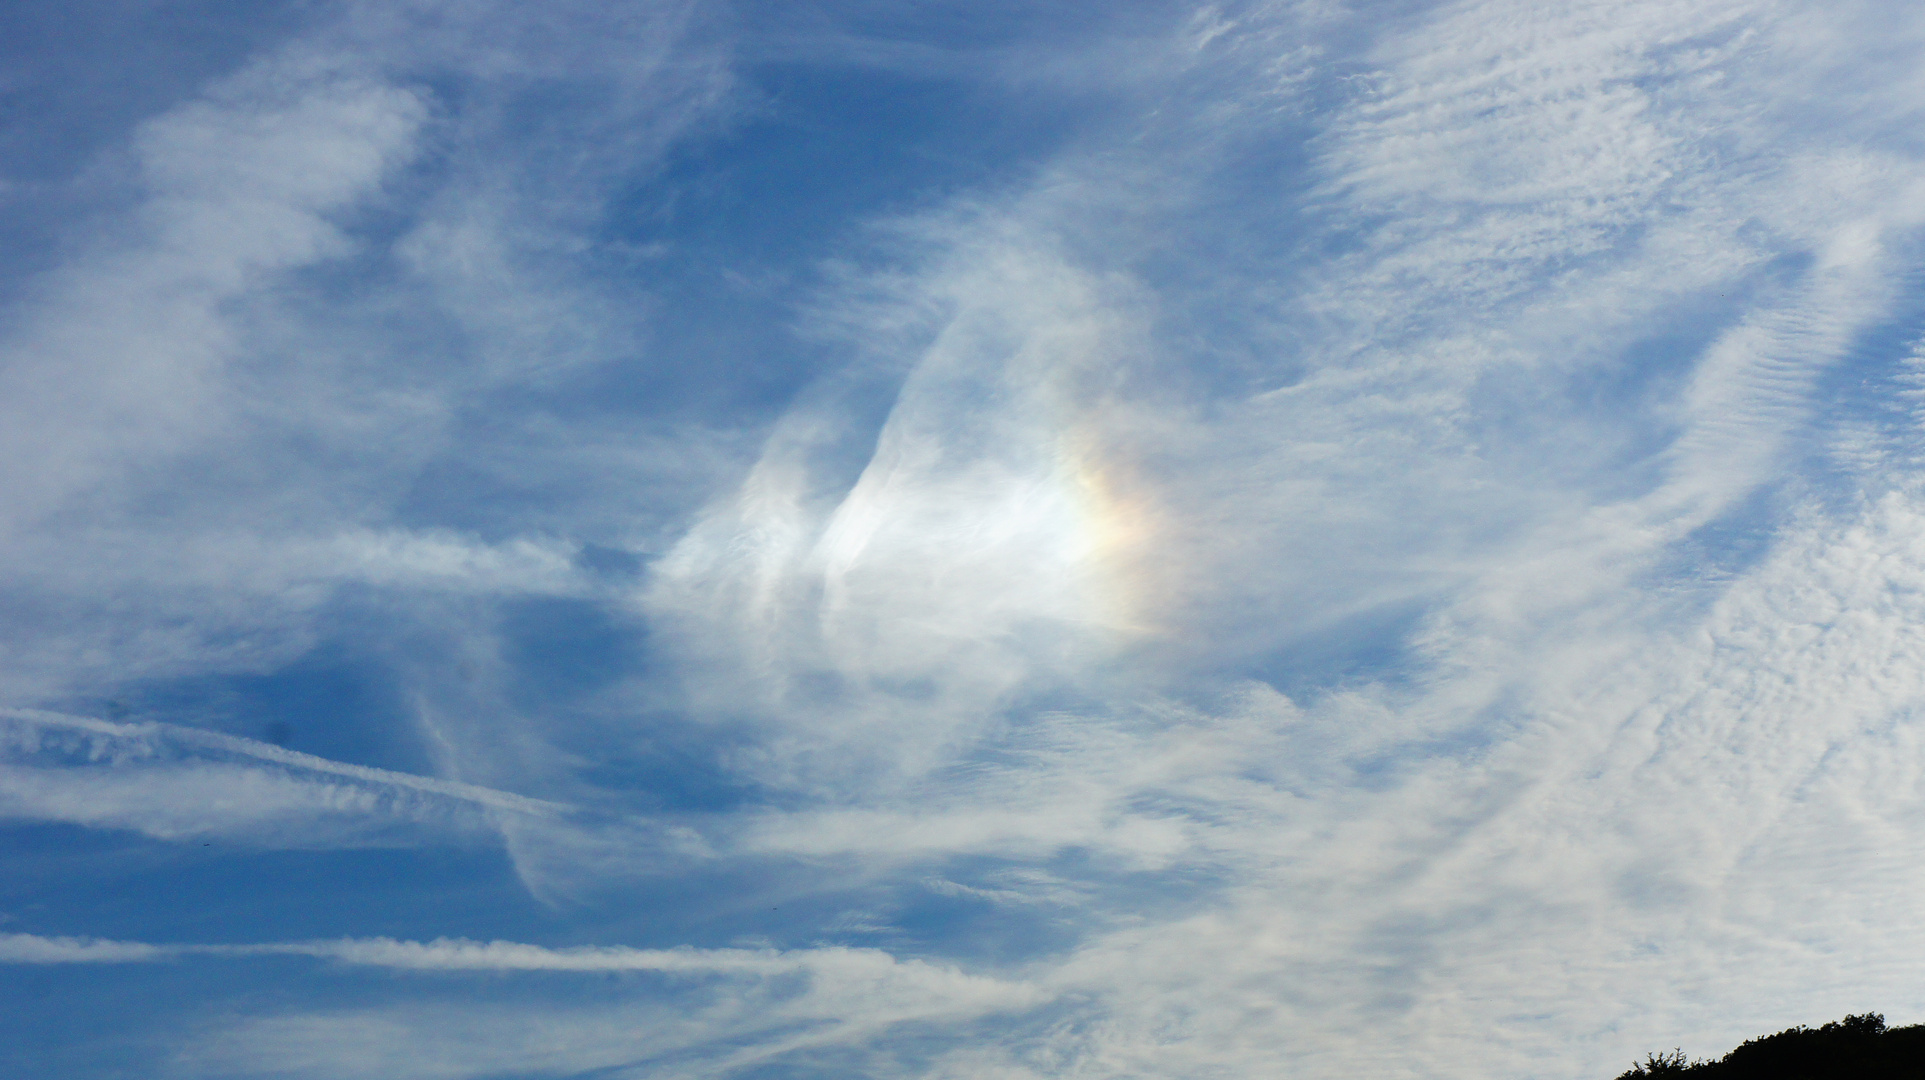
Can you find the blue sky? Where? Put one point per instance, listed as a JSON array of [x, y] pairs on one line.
[[956, 540]]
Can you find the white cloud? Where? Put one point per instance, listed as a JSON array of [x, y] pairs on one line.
[[125, 355], [761, 1003], [176, 783], [977, 548], [1439, 440], [210, 434], [1568, 794], [34, 949]]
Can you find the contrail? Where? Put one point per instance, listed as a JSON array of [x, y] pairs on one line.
[[152, 734]]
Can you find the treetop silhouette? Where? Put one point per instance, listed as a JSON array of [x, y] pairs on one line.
[[1855, 1048]]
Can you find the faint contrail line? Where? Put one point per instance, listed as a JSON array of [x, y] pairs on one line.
[[462, 954], [151, 731]]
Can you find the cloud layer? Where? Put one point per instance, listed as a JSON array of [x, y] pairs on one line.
[[949, 541]]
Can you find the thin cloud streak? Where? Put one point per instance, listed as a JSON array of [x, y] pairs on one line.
[[448, 954], [122, 742], [176, 783], [844, 995]]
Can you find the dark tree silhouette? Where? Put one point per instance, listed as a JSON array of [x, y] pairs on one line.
[[1855, 1048]]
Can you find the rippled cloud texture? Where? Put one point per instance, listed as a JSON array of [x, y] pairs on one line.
[[982, 540]]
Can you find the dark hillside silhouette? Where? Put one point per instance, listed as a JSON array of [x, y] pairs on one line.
[[1855, 1048]]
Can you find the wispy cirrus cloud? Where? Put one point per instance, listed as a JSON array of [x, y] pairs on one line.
[[1378, 543], [199, 344], [173, 783], [762, 1003]]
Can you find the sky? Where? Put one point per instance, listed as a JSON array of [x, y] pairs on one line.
[[968, 541]]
